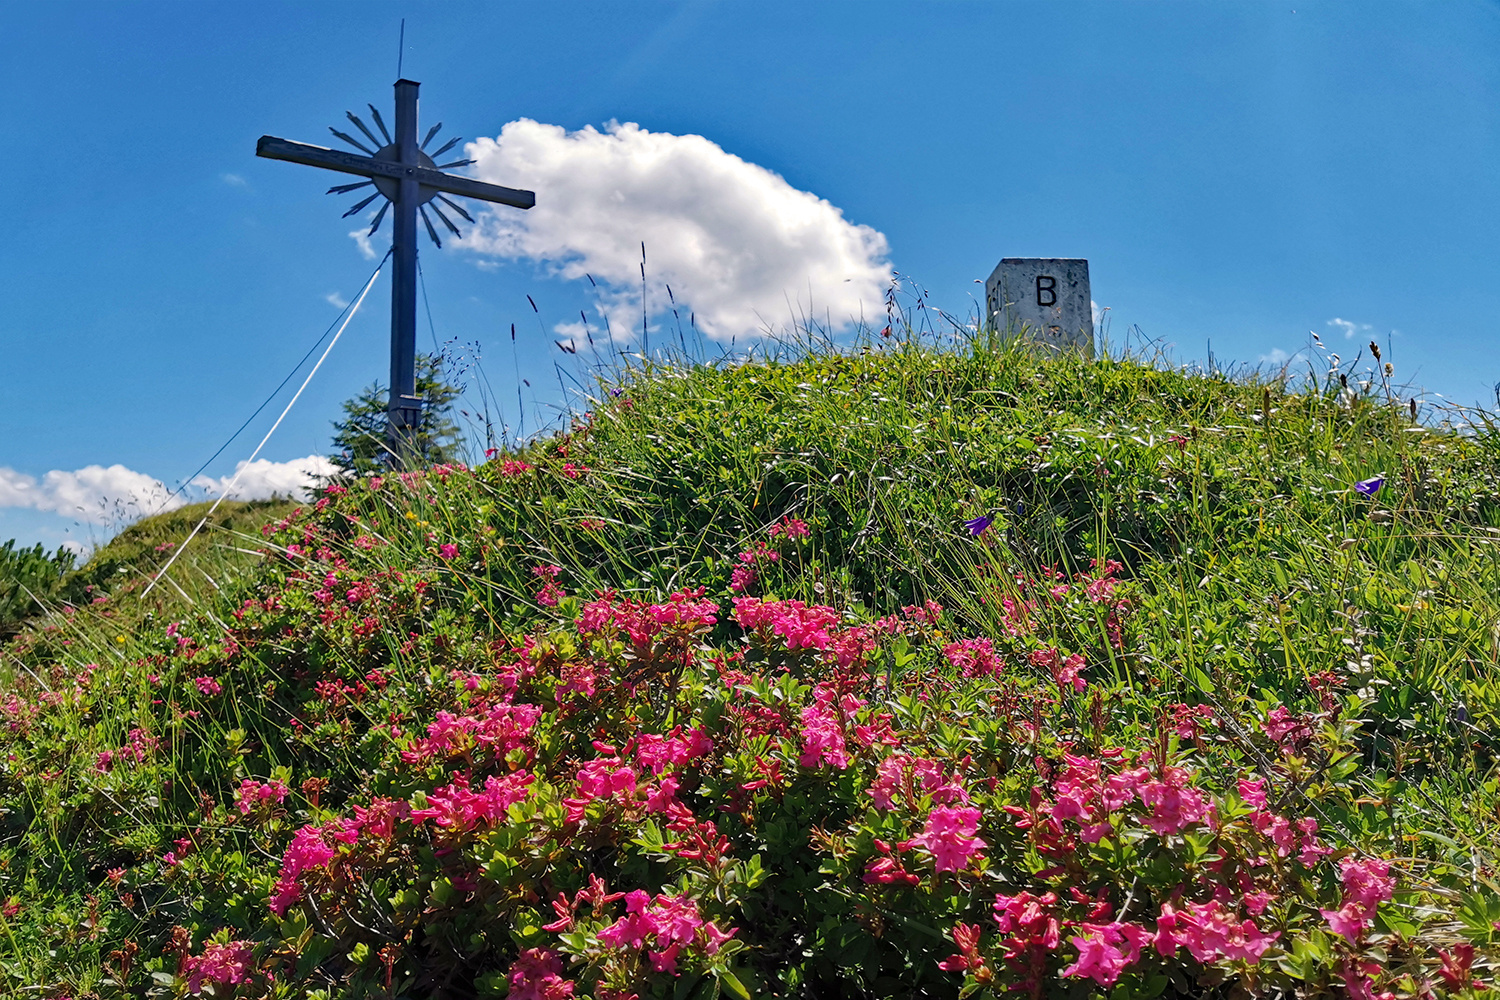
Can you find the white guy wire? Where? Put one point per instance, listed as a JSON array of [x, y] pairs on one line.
[[246, 464]]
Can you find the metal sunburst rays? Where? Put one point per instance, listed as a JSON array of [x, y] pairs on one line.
[[387, 150]]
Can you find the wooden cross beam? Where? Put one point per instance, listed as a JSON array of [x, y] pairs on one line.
[[409, 179]]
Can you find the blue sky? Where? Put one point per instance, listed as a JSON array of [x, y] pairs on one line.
[[1236, 174]]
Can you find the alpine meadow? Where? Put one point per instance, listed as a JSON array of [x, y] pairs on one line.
[[920, 666]]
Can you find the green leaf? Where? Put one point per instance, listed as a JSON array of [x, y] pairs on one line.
[[732, 985]]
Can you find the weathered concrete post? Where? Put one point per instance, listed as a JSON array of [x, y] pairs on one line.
[[1043, 299]]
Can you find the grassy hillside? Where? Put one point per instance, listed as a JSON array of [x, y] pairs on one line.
[[110, 583], [914, 671]]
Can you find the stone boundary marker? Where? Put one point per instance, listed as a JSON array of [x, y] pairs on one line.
[[1044, 299]]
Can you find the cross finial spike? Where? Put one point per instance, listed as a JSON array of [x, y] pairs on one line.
[[351, 140], [362, 204], [361, 126], [422, 209], [456, 207], [380, 215], [447, 146], [446, 221], [379, 123]]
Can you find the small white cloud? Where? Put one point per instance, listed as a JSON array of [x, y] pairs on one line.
[[263, 479], [574, 331], [336, 300], [116, 495], [94, 493], [1276, 357], [361, 238], [1098, 312], [1349, 327], [740, 248], [16, 488], [234, 180]]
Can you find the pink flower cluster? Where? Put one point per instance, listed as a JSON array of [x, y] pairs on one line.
[[551, 593], [803, 626], [745, 574], [974, 657], [1174, 806], [949, 836], [685, 612], [966, 936], [790, 527], [512, 467], [675, 749], [910, 777], [139, 745], [1106, 950], [1291, 732], [1066, 672], [252, 795], [1209, 931], [1086, 794], [1367, 884], [1031, 932], [610, 778], [927, 613], [602, 778], [536, 974], [308, 851], [222, 964], [887, 869], [1279, 830], [499, 730], [663, 927], [824, 723], [1188, 721], [207, 686], [456, 808]]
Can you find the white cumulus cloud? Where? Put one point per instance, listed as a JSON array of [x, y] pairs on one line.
[[1276, 357], [263, 478], [115, 494], [94, 493], [740, 247]]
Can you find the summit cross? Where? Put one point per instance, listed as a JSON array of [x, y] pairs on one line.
[[409, 179]]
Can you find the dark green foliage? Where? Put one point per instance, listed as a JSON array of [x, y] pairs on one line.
[[360, 437], [29, 578]]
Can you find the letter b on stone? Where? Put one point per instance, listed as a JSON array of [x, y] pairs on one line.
[[1046, 290]]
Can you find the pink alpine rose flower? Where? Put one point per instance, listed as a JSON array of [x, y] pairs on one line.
[[949, 837]]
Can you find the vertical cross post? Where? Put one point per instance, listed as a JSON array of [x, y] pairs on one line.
[[404, 407]]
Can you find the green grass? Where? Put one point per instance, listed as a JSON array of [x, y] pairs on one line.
[[106, 592], [1256, 572]]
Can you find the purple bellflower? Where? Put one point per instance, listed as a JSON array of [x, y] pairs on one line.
[[977, 525], [1369, 487]]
